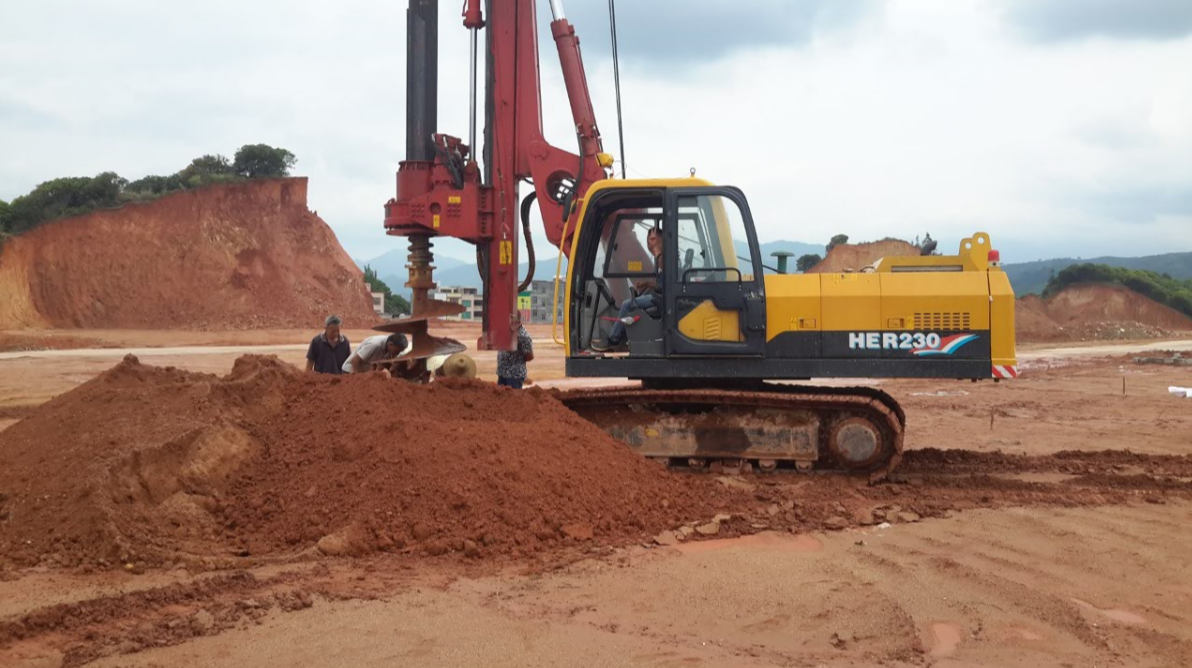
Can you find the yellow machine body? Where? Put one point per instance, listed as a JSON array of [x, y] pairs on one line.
[[727, 317]]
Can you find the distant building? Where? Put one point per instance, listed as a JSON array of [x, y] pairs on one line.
[[534, 305], [541, 301], [467, 297], [523, 306], [378, 302]]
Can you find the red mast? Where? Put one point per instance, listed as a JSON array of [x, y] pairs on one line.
[[446, 196]]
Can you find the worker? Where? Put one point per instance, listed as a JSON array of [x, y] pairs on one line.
[[649, 293], [511, 364], [375, 349], [329, 350]]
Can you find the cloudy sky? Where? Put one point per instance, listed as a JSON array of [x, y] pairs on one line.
[[1061, 127]]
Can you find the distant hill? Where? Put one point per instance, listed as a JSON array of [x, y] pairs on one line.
[[1031, 277], [799, 249], [391, 268], [1026, 277]]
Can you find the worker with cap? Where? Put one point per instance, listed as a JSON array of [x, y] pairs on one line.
[[375, 349], [329, 350]]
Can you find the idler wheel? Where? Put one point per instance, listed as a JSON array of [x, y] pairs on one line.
[[856, 444]]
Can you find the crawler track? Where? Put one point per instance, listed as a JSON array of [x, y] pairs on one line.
[[851, 429]]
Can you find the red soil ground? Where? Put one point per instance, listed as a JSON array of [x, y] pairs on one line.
[[1056, 537], [175, 466], [147, 466], [241, 255]]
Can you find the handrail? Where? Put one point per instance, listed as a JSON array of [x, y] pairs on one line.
[[700, 270], [554, 311]]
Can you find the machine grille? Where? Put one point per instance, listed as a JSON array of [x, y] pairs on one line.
[[711, 329], [943, 321]]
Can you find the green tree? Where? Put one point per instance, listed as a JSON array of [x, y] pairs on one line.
[[807, 261], [262, 161], [1167, 291], [836, 241], [394, 303], [104, 190], [206, 169], [57, 198], [154, 185], [76, 195]]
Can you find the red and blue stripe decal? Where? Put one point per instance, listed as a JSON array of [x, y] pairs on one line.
[[946, 346]]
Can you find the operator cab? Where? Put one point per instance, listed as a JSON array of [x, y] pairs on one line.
[[708, 294]]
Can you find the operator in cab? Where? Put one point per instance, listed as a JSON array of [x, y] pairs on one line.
[[648, 295]]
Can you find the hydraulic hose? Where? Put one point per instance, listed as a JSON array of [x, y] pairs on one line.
[[570, 198], [526, 203]]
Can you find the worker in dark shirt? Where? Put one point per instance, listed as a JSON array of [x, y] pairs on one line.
[[329, 350]]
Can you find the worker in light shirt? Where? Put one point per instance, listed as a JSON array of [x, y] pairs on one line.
[[375, 349]]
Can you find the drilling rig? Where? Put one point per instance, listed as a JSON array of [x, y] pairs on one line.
[[716, 343]]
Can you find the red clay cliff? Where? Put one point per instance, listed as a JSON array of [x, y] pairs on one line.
[[234, 256]]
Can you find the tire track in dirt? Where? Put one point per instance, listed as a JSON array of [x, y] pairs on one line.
[[155, 617], [1017, 579], [937, 590]]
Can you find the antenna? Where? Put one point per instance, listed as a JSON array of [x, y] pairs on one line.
[[612, 23]]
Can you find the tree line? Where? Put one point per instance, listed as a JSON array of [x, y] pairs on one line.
[[1162, 288], [77, 195], [395, 304]]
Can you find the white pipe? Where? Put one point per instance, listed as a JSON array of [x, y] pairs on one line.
[[472, 100], [556, 10]]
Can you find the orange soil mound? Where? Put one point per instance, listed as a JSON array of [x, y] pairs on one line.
[[230, 256], [1096, 312], [157, 465], [853, 257]]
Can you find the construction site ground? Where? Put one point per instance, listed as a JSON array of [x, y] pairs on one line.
[[1042, 521]]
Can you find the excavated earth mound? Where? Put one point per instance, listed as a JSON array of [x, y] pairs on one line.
[[151, 466], [1096, 312], [854, 257], [232, 256]]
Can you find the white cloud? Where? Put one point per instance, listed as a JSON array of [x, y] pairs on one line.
[[917, 116]]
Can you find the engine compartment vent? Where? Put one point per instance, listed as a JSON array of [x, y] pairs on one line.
[[943, 321]]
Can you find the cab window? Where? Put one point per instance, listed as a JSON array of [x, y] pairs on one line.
[[628, 255], [712, 241]]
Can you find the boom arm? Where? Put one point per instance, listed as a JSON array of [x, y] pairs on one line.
[[447, 196]]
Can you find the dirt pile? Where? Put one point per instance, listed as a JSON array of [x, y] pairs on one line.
[[1096, 313], [148, 465], [232, 256], [854, 257]]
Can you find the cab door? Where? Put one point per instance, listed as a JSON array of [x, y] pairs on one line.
[[712, 282]]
